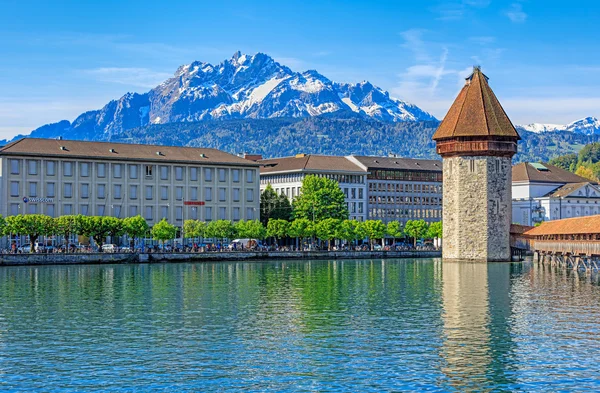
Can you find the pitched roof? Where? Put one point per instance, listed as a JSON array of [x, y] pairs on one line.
[[476, 112], [569, 188], [568, 226], [527, 172], [309, 162], [119, 151], [399, 163]]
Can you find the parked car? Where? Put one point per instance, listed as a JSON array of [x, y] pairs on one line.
[[109, 248], [238, 244]]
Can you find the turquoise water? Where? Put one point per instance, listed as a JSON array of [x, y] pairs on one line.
[[299, 326]]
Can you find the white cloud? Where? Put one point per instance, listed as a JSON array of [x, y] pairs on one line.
[[141, 77], [516, 14]]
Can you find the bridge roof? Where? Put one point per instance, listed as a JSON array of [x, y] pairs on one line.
[[568, 226]]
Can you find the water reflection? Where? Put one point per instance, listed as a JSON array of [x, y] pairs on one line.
[[365, 325], [478, 347]]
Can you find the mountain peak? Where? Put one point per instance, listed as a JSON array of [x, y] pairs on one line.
[[241, 87], [588, 125]]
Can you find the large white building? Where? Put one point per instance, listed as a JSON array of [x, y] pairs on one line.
[[287, 173], [543, 192], [63, 177], [378, 188]]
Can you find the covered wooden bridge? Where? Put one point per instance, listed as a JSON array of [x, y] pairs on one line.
[[571, 242]]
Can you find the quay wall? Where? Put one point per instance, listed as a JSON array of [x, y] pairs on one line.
[[112, 258]]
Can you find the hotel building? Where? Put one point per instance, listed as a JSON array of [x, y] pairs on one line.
[[377, 188], [63, 177]]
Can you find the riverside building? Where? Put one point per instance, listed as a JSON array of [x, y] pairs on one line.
[[378, 188], [64, 177], [543, 192]]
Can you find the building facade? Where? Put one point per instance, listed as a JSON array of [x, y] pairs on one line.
[[376, 188], [402, 189], [63, 177], [287, 173], [476, 140], [543, 192]]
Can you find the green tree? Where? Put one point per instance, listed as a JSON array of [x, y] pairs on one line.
[[567, 162], [327, 229], [255, 230], [221, 229], [273, 206], [348, 230], [321, 198], [67, 226], [194, 228], [163, 231], [435, 230], [33, 225], [100, 227], [394, 229], [373, 229], [136, 227], [277, 228], [301, 228], [417, 229]]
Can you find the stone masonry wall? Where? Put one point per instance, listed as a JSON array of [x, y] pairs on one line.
[[477, 204]]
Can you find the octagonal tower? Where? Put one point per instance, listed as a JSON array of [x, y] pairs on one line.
[[477, 141]]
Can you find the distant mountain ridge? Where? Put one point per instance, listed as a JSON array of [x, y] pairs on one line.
[[242, 87], [587, 126]]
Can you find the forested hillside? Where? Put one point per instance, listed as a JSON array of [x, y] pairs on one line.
[[335, 136], [586, 163]]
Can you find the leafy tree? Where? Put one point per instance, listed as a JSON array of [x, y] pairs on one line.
[[277, 228], [586, 172], [321, 198], [394, 229], [327, 229], [348, 230], [136, 227], [3, 230], [301, 228], [99, 228], [163, 231], [417, 229], [255, 230], [33, 225], [435, 230], [273, 206], [194, 228], [373, 229], [220, 229], [67, 226], [567, 162]]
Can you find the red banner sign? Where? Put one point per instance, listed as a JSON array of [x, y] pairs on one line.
[[193, 203]]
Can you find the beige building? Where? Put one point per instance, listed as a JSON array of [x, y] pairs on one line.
[[63, 177]]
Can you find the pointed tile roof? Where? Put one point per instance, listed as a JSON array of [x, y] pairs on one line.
[[476, 112]]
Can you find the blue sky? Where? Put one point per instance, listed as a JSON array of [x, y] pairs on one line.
[[61, 58]]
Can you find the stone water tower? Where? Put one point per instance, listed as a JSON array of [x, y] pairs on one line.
[[477, 140]]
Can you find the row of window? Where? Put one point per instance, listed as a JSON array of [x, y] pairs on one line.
[[148, 211], [298, 177], [117, 192], [352, 193], [354, 207], [397, 187], [382, 200], [405, 175], [382, 213], [133, 169]]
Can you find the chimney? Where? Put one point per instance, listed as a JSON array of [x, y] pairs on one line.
[[252, 157]]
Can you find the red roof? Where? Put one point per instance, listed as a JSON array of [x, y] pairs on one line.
[[476, 112], [568, 226]]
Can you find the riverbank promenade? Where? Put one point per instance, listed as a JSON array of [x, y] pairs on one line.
[[157, 257]]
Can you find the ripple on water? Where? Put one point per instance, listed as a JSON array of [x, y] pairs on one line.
[[366, 325]]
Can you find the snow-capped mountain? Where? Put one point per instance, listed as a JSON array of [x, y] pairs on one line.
[[241, 87], [586, 126]]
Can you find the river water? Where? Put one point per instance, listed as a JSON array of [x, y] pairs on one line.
[[363, 325]]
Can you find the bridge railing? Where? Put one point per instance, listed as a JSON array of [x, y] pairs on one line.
[[568, 246]]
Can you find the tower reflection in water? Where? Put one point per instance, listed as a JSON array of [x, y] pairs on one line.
[[478, 350]]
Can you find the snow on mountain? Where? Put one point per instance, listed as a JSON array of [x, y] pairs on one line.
[[241, 87], [586, 126]]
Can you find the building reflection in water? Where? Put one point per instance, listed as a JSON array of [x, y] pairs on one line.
[[477, 348]]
